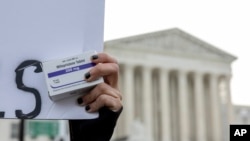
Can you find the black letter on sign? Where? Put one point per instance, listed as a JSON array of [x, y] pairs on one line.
[[19, 81]]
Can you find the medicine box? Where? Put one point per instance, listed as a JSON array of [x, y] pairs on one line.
[[65, 77]]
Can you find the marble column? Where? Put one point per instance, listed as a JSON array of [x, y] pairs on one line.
[[228, 108], [229, 100], [128, 88], [215, 108], [165, 105], [184, 106], [119, 130], [199, 107], [147, 101]]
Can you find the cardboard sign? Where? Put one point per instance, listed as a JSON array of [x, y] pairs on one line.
[[33, 31]]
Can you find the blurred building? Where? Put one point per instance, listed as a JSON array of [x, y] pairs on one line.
[[176, 86], [9, 129], [34, 130], [242, 114], [46, 130]]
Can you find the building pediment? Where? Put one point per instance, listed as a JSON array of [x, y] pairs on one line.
[[172, 42]]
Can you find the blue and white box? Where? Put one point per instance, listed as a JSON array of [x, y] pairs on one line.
[[65, 77]]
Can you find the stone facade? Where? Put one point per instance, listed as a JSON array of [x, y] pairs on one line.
[[9, 129], [242, 114], [175, 84]]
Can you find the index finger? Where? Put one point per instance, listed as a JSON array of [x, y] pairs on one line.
[[103, 58]]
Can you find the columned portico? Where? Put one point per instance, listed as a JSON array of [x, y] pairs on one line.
[[167, 107], [179, 86]]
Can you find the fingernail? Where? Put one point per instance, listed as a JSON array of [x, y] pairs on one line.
[[87, 108], [87, 75], [79, 101], [94, 57]]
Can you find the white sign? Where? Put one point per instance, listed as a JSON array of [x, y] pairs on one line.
[[33, 31]]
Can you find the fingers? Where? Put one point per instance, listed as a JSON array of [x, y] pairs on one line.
[[112, 103], [103, 58], [105, 94], [102, 95], [100, 89], [106, 67], [101, 70]]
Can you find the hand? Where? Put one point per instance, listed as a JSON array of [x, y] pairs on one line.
[[105, 94]]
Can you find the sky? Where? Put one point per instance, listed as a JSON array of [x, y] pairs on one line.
[[223, 23]]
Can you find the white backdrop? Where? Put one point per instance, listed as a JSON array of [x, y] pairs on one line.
[[43, 30]]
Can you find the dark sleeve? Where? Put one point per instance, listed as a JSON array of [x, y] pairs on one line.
[[100, 129]]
